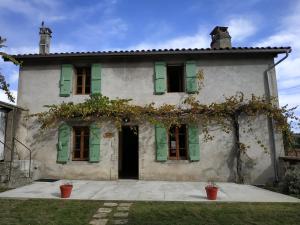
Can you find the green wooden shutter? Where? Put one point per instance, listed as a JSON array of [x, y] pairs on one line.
[[65, 82], [191, 77], [96, 79], [193, 142], [64, 133], [161, 143], [160, 78], [95, 137]]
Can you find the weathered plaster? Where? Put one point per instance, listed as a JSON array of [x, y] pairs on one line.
[[39, 85]]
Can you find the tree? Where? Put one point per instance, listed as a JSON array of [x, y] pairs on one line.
[[3, 84]]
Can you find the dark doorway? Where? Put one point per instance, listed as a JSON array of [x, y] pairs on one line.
[[128, 153]]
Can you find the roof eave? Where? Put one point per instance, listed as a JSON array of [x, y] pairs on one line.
[[239, 50]]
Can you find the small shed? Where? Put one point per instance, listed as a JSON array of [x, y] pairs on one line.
[[8, 115]]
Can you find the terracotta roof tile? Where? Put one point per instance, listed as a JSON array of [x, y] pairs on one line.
[[159, 51]]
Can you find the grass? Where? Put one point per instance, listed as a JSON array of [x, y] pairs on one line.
[[214, 214], [75, 212], [47, 212]]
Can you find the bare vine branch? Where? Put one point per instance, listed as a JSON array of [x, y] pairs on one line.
[[3, 83]]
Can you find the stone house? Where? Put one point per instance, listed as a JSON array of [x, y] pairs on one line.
[[75, 150]]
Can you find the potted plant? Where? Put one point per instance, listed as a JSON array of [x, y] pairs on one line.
[[65, 190], [211, 190]]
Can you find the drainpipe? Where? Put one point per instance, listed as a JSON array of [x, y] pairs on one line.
[[268, 78]]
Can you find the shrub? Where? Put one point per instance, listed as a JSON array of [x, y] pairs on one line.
[[291, 181]]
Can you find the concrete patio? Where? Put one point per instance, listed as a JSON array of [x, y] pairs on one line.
[[137, 190]]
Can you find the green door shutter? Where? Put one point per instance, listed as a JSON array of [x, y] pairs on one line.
[[94, 143], [191, 77], [96, 79], [193, 142], [160, 78], [161, 143], [64, 133], [65, 82]]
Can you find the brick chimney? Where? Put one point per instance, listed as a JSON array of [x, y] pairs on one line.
[[220, 38], [45, 38]]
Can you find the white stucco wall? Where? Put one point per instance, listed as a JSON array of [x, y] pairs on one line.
[[39, 85]]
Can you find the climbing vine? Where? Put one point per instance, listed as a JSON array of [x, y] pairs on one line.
[[226, 114]]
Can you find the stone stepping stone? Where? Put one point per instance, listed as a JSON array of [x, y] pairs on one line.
[[123, 221], [100, 215], [123, 208], [110, 204], [104, 210], [127, 204], [121, 214], [99, 222]]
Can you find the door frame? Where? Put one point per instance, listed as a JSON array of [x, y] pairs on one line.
[[120, 151]]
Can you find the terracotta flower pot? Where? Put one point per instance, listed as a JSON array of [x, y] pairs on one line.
[[65, 190], [211, 192]]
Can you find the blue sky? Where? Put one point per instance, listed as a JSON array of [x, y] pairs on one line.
[[83, 25]]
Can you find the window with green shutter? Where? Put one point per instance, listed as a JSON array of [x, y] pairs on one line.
[[160, 78], [193, 143], [161, 143], [81, 143], [65, 83], [95, 138], [177, 143], [64, 133], [96, 78], [83, 80], [191, 83], [175, 77]]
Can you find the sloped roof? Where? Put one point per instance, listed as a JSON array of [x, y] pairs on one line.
[[233, 50], [9, 106]]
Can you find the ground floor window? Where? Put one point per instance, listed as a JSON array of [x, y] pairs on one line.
[[81, 143], [178, 143]]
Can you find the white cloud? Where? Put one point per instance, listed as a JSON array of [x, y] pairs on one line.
[[4, 98], [13, 77], [60, 47], [101, 29], [288, 72], [34, 9], [241, 28], [198, 40], [22, 50], [291, 100]]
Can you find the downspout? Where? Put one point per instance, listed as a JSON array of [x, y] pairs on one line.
[[269, 79]]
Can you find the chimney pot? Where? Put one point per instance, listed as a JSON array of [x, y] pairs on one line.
[[45, 39], [220, 38]]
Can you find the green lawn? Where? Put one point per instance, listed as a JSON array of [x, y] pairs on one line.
[[215, 214], [73, 212], [44, 212]]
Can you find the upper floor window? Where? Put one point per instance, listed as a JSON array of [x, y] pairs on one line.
[[175, 78], [178, 142], [83, 80], [81, 143]]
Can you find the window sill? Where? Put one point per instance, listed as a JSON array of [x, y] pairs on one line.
[[80, 162], [183, 161]]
